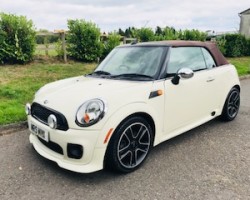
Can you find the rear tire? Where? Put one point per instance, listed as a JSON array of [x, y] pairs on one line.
[[129, 145], [231, 106]]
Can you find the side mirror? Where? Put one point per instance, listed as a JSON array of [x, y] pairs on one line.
[[183, 73]]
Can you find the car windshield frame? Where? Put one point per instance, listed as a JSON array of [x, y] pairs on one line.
[[102, 70]]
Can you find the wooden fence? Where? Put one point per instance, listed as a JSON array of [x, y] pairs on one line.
[[46, 46]]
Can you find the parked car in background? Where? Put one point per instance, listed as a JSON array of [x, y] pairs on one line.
[[139, 96]]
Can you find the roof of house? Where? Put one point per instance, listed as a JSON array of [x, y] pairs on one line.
[[245, 11]]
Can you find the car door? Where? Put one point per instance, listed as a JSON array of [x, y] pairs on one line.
[[191, 102]]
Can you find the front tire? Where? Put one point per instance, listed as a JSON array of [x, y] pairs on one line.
[[129, 145], [232, 105]]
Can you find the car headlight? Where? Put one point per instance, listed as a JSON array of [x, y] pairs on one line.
[[90, 112]]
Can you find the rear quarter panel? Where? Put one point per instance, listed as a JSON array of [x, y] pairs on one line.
[[228, 76]]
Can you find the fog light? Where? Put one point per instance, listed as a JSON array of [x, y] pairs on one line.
[[75, 151], [27, 109], [52, 121]]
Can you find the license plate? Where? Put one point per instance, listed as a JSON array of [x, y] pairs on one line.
[[40, 132]]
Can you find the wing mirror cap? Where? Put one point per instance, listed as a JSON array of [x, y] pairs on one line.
[[183, 73]]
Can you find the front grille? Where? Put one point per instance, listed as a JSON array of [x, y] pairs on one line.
[[52, 145], [42, 113]]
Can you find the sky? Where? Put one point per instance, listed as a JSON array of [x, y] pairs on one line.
[[110, 15]]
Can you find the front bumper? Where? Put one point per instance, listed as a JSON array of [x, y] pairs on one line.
[[92, 159]]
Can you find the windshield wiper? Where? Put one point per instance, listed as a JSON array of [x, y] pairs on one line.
[[133, 75], [100, 72]]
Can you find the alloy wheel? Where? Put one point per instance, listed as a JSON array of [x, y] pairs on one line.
[[233, 103], [133, 145]]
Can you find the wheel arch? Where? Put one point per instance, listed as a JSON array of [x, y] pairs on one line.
[[228, 92], [236, 86], [224, 114], [144, 115]]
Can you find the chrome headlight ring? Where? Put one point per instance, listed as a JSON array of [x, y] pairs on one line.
[[91, 112]]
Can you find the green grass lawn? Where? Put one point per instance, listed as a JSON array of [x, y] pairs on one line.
[[18, 83], [242, 64]]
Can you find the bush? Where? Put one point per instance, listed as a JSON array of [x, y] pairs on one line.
[[112, 41], [17, 39], [221, 42], [236, 45], [168, 33], [192, 35], [144, 34], [248, 48], [58, 48], [83, 40]]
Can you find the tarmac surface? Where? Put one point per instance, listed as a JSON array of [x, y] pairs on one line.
[[209, 162]]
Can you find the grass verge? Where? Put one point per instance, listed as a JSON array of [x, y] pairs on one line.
[[242, 65], [18, 84]]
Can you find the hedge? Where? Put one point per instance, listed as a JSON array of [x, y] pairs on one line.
[[234, 45], [83, 40], [17, 39]]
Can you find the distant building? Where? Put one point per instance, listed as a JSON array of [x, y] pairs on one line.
[[245, 22]]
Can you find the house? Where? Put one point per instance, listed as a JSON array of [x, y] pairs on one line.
[[245, 23]]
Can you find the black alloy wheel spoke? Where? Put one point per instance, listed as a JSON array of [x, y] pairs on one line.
[[133, 159], [124, 151], [143, 147]]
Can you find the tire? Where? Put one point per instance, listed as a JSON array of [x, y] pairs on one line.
[[231, 106], [129, 145]]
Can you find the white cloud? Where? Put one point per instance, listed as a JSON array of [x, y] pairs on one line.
[[219, 15]]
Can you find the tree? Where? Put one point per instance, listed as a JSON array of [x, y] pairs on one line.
[[112, 41], [84, 40], [158, 31], [145, 34], [121, 32], [17, 39], [170, 33], [128, 32]]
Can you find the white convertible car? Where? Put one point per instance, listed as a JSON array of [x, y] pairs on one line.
[[141, 95]]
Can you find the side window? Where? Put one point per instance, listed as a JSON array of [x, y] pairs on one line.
[[185, 57], [208, 58]]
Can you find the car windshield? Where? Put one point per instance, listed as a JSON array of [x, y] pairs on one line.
[[135, 62]]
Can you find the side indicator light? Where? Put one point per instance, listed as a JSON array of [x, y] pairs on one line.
[[155, 93], [108, 136], [159, 92]]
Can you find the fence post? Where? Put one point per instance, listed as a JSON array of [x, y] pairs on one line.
[[124, 40], [64, 46], [46, 45], [62, 34]]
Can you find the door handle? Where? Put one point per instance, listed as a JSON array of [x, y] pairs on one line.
[[210, 79]]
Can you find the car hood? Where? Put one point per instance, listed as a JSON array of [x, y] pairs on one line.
[[66, 96]]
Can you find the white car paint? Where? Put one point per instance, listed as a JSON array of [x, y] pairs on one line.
[[180, 108]]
